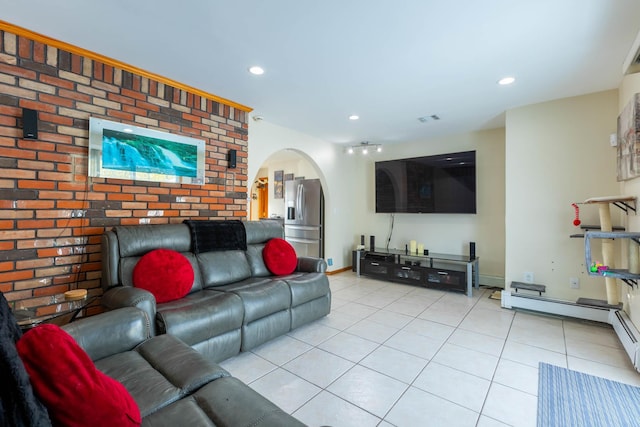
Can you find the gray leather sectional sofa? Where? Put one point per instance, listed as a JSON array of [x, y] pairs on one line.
[[235, 303], [172, 384]]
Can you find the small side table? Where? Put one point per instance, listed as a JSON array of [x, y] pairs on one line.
[[58, 310]]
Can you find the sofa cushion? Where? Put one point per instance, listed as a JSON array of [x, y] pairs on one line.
[[67, 381], [280, 257], [260, 297], [223, 267], [307, 287], [256, 262], [167, 274], [200, 316]]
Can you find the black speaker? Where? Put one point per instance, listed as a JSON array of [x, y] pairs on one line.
[[372, 243], [231, 158], [29, 124], [472, 250], [362, 239]]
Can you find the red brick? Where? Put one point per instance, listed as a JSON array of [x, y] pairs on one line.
[[34, 263], [55, 100], [120, 115], [37, 185], [6, 246], [54, 157], [108, 74], [11, 132], [170, 126], [147, 106], [36, 105], [10, 111], [54, 176], [17, 71], [127, 197], [6, 266], [17, 153], [71, 204], [136, 83], [48, 291], [134, 110], [39, 52], [129, 189], [25, 224], [107, 188], [97, 70], [8, 121], [72, 186], [16, 173], [35, 204], [133, 94], [55, 81], [121, 99], [54, 118], [74, 95], [76, 64], [16, 275]]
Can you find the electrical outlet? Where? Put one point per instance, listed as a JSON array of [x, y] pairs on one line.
[[574, 283], [330, 262], [528, 277]]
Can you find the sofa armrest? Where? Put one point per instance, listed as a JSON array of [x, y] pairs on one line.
[[126, 296], [110, 332], [307, 264]]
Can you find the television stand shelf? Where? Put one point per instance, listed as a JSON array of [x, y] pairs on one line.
[[439, 271]]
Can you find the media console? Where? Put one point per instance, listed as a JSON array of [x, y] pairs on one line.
[[439, 271]]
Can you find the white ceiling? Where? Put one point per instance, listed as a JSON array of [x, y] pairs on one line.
[[389, 62]]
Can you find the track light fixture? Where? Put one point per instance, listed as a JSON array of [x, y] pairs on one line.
[[365, 147]]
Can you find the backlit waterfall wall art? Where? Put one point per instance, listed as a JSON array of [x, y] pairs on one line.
[[119, 150]]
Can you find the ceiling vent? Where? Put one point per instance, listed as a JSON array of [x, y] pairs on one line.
[[425, 119]]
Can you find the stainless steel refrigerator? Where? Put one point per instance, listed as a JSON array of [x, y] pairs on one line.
[[304, 219]]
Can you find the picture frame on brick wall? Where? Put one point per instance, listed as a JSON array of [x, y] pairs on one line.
[[123, 151]]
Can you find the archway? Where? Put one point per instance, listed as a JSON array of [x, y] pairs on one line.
[[291, 169]]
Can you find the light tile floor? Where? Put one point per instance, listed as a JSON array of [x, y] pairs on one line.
[[395, 355]]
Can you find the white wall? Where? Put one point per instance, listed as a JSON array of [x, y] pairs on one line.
[[444, 233], [631, 297], [335, 170], [557, 153]]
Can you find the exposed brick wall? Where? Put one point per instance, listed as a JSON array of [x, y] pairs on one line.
[[43, 249]]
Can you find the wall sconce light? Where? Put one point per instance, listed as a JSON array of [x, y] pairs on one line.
[[364, 147]]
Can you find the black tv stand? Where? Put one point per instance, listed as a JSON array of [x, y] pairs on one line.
[[438, 271]]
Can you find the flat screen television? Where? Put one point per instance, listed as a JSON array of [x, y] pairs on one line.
[[444, 183]]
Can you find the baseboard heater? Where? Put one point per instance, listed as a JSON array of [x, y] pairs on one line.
[[555, 306], [627, 334], [618, 319]]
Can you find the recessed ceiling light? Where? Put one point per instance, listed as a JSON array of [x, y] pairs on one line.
[[354, 117], [506, 81], [256, 70]]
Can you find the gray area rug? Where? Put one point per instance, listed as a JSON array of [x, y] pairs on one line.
[[571, 398]]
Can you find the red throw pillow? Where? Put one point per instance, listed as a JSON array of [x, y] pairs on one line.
[[74, 391], [279, 257], [167, 274]]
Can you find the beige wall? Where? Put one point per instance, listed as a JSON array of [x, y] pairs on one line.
[[445, 233], [557, 153], [631, 297]]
